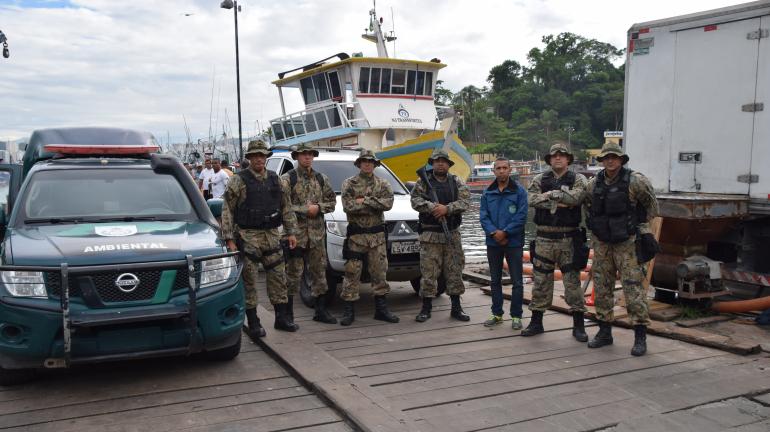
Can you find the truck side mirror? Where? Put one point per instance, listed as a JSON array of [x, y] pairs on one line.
[[215, 205]]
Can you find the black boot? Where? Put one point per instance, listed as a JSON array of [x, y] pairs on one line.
[[282, 321], [578, 327], [349, 314], [381, 311], [254, 328], [321, 314], [457, 309], [535, 326], [604, 337], [427, 305], [290, 310], [640, 340]]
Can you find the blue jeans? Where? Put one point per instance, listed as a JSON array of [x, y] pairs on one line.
[[495, 255]]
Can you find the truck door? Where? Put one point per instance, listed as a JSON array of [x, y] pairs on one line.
[[10, 181], [760, 152], [711, 137]]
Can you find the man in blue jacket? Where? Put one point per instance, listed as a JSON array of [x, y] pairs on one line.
[[503, 215]]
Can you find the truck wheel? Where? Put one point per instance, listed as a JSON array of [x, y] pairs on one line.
[[439, 289], [227, 353], [9, 377]]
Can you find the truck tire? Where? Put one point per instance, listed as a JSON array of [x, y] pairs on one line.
[[9, 377], [227, 353], [440, 289]]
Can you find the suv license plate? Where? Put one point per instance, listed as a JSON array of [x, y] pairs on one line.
[[405, 247]]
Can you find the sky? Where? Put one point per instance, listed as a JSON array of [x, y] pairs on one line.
[[152, 64]]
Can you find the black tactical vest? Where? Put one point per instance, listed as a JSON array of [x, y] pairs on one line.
[[446, 192], [613, 218], [564, 216], [262, 207]]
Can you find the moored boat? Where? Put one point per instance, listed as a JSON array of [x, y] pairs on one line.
[[380, 103]]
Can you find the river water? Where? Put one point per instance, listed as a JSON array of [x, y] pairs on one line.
[[474, 244]]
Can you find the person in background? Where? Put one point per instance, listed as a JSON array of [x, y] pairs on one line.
[[218, 181], [204, 179], [503, 214], [226, 168]]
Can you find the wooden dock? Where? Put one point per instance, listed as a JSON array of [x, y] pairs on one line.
[[442, 375]]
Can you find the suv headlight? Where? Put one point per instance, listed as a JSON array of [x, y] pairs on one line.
[[215, 271], [24, 283], [337, 228]]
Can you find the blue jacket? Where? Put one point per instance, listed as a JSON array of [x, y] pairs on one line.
[[506, 210]]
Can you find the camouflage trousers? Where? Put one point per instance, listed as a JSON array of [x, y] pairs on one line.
[[560, 252], [377, 265], [610, 259], [315, 258], [260, 246], [442, 258]]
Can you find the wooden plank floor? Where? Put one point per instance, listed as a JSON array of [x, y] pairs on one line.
[[445, 375], [251, 393]]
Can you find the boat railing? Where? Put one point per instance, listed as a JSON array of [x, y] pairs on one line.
[[331, 115]]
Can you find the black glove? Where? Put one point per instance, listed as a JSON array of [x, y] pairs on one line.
[[646, 248]]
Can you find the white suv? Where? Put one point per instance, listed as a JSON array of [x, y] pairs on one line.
[[401, 220]]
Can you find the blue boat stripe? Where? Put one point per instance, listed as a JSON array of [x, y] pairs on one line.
[[464, 153]]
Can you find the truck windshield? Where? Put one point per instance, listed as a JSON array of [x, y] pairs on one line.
[[102, 194], [338, 171]]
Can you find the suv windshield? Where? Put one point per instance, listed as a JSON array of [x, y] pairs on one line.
[[338, 171], [102, 194]]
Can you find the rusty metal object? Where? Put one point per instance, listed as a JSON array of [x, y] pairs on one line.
[[702, 206]]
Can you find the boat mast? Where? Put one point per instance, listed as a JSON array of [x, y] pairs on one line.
[[374, 33]]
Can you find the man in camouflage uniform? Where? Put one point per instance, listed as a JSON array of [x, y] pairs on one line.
[[311, 197], [557, 195], [439, 254], [620, 205], [365, 199], [255, 204]]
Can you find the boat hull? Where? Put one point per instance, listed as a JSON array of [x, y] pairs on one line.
[[406, 158]]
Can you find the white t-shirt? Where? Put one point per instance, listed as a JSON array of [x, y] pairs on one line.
[[219, 183], [206, 176]]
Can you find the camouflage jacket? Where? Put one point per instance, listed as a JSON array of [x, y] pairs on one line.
[[423, 203], [378, 198], [640, 192], [570, 197], [308, 191], [235, 194]]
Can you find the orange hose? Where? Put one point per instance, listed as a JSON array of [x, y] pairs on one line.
[[759, 304]]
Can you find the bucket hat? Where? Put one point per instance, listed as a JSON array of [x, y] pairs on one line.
[[439, 153], [257, 147], [367, 155], [303, 148]]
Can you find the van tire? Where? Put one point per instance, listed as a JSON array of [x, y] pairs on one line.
[[227, 353], [440, 289], [10, 377]]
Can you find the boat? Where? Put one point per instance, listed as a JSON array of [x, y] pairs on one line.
[[383, 104], [481, 177]]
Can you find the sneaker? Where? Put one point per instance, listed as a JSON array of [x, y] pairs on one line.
[[516, 323], [493, 320]]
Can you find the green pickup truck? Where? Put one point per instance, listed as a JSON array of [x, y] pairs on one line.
[[109, 252]]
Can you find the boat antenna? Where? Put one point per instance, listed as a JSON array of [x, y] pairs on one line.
[[393, 30], [374, 33], [211, 103]]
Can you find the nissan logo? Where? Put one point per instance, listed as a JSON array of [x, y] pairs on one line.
[[127, 282]]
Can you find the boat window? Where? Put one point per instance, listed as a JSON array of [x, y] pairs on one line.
[[419, 87], [399, 77], [321, 87], [363, 80], [333, 115], [320, 118], [410, 78], [288, 129], [307, 90], [310, 123], [374, 83], [299, 126], [429, 83], [334, 83], [278, 131], [385, 85]]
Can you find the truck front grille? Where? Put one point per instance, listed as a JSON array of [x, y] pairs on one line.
[[108, 292]]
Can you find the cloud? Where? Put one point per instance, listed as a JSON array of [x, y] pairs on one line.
[[146, 63]]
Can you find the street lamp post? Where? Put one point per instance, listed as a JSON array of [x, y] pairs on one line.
[[230, 4]]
